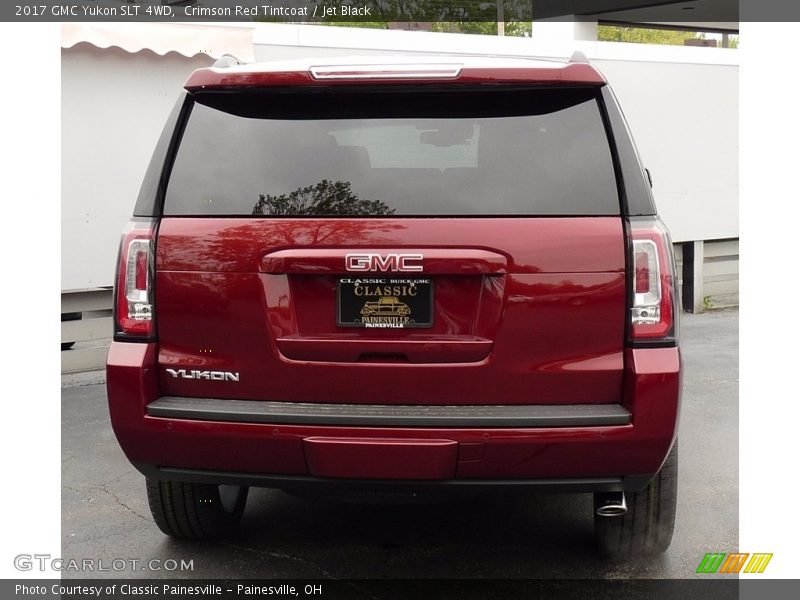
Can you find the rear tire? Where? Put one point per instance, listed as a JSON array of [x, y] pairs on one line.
[[196, 511], [646, 529]]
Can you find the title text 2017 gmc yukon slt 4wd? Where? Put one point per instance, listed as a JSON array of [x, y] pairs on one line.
[[446, 275]]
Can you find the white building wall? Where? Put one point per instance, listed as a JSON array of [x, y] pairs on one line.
[[684, 118], [113, 107]]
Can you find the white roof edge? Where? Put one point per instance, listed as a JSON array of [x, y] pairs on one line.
[[214, 40], [355, 60]]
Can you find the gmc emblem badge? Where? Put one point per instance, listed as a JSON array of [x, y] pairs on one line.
[[387, 262]]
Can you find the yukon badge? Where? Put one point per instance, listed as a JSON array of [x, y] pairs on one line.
[[387, 262], [210, 375]]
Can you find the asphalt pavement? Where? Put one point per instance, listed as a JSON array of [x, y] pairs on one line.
[[105, 514]]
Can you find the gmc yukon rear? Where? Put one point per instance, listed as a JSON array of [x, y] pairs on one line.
[[406, 278]]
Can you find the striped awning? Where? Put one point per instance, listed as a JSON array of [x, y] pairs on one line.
[[213, 40]]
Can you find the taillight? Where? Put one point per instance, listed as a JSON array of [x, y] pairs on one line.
[[133, 305], [653, 297]]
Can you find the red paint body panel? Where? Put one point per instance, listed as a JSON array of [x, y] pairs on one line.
[[530, 312], [381, 458], [530, 245], [651, 392], [430, 349]]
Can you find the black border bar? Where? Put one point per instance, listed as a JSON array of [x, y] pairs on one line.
[[406, 589], [388, 12]]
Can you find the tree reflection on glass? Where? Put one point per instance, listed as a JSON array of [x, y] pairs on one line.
[[326, 198]]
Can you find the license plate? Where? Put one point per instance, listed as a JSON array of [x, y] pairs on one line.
[[384, 303]]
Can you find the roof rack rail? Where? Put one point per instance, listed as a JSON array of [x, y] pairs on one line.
[[578, 57], [226, 61]]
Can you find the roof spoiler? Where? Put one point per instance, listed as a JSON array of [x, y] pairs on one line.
[[228, 72]]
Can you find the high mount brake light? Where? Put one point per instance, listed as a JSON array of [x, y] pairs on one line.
[[653, 297], [133, 305], [410, 71]]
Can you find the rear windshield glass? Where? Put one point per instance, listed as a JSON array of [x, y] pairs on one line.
[[435, 152]]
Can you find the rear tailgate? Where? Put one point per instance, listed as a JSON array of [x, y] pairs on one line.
[[403, 249]]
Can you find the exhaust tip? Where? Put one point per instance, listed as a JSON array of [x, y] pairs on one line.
[[613, 505]]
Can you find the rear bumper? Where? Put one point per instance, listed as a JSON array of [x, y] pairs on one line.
[[395, 487], [572, 455], [386, 415]]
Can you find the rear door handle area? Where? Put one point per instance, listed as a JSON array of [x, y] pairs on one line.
[[372, 261]]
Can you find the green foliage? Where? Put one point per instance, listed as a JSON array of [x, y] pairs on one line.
[[640, 35], [462, 16], [358, 24], [512, 28], [432, 11]]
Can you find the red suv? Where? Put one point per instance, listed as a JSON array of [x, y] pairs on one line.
[[404, 278]]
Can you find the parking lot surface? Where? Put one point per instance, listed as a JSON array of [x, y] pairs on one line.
[[105, 513]]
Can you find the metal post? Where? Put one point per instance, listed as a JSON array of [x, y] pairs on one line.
[[501, 19], [697, 277]]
